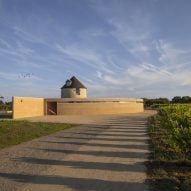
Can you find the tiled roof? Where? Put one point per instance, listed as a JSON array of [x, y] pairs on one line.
[[73, 83]]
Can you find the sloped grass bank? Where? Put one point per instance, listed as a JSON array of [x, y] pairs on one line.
[[169, 168], [16, 132]]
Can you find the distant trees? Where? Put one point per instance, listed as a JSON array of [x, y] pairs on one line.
[[150, 102], [5, 106], [179, 99], [1, 99], [156, 101]]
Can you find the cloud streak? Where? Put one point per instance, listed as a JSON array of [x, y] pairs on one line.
[[117, 48]]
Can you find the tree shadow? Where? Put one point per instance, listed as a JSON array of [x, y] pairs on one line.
[[109, 135], [103, 139], [118, 131], [126, 146], [135, 155], [127, 128], [136, 167], [119, 126], [78, 184]]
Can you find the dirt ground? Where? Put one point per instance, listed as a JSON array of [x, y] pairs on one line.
[[106, 153]]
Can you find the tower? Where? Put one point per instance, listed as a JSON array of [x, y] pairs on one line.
[[73, 88]]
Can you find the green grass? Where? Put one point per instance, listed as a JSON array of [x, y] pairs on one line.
[[16, 132], [168, 169]]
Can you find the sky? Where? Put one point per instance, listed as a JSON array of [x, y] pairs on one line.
[[116, 48]]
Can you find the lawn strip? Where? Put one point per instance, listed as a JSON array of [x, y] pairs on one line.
[[15, 132]]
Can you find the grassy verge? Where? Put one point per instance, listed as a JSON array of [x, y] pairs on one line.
[[15, 132], [168, 170]]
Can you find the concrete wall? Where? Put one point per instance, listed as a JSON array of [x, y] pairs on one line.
[[98, 108], [71, 93], [27, 107]]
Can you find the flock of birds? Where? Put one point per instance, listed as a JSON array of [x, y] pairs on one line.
[[26, 75], [22, 76]]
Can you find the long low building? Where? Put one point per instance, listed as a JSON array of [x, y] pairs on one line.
[[74, 101], [30, 107]]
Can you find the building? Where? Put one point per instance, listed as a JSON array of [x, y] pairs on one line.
[[74, 101], [73, 88]]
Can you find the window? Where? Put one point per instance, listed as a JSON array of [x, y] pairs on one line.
[[78, 91]]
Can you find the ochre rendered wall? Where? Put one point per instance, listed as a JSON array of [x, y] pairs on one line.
[[27, 107], [98, 108]]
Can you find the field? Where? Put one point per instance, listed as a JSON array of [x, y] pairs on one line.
[[15, 132], [170, 132]]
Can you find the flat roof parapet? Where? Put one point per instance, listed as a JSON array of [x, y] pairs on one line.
[[94, 100]]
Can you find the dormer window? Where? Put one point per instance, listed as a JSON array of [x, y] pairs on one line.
[[68, 83]]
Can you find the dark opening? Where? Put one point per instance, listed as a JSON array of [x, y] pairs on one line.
[[51, 108], [78, 91]]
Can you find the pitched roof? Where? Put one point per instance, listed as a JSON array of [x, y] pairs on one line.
[[73, 83]]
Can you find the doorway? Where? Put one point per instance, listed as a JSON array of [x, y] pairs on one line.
[[51, 108]]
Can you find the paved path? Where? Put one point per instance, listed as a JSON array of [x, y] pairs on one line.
[[107, 155]]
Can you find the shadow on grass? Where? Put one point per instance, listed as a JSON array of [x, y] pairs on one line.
[[169, 175]]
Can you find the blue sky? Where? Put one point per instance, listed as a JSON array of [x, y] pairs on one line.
[[117, 48]]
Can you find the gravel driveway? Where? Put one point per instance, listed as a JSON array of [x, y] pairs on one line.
[[105, 155]]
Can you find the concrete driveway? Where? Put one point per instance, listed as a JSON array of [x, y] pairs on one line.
[[106, 154]]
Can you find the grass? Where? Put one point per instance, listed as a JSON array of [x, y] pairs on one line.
[[168, 170], [16, 132]]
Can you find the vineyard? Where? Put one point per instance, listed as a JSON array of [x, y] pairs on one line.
[[170, 132]]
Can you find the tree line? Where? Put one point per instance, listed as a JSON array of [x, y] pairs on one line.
[[176, 99]]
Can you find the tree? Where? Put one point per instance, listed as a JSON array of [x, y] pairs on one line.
[[177, 99], [184, 99], [150, 102]]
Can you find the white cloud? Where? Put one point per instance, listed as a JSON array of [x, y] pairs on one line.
[[5, 43], [139, 49], [86, 56], [27, 36], [121, 56]]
